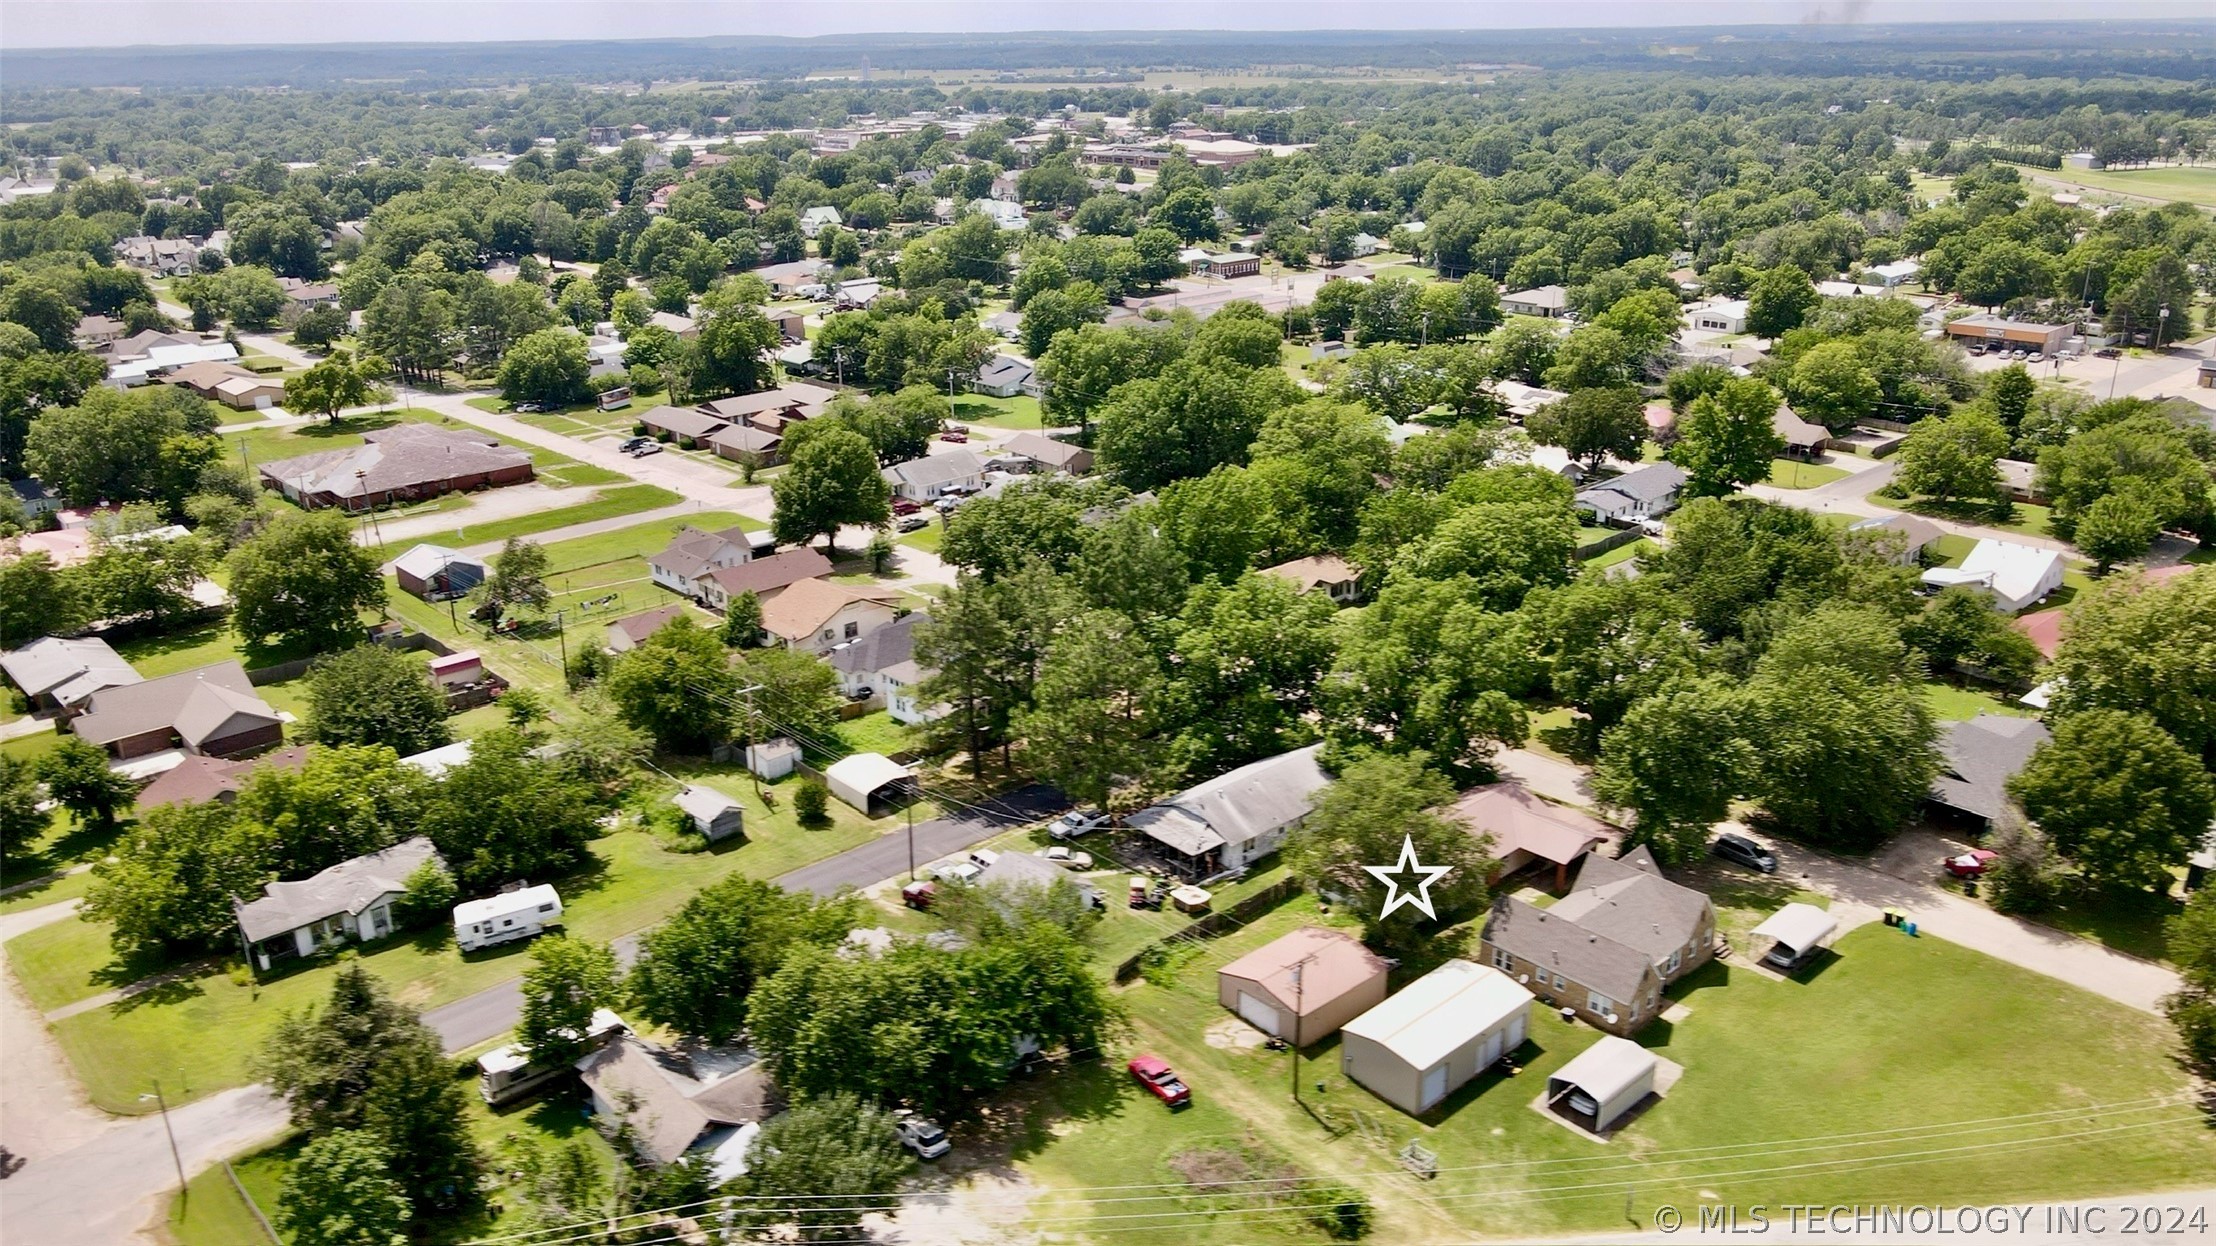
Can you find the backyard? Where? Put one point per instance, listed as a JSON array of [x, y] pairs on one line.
[[1795, 474]]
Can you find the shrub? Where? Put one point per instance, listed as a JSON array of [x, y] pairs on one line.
[[429, 898], [812, 802], [1343, 1214], [2023, 874]]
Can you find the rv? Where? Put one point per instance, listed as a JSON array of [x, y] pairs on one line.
[[506, 1074], [517, 914]]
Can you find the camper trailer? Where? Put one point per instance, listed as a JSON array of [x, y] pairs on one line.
[[506, 1074], [517, 914]]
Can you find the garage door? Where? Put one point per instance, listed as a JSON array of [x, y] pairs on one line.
[[1516, 1032], [1490, 1052], [1434, 1084], [1258, 1014]]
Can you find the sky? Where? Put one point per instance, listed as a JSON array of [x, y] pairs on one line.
[[117, 23]]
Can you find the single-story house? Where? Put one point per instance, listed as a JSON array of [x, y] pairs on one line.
[[1436, 1035], [2017, 576], [161, 353], [1977, 759], [631, 631], [227, 383], [1647, 492], [198, 780], [1046, 452], [668, 1108], [786, 278], [1548, 301], [1328, 574], [883, 666], [1523, 401], [814, 219], [1720, 316], [97, 333], [857, 293], [404, 463], [1915, 535], [925, 479], [1803, 440], [817, 615], [1528, 832], [1305, 985], [763, 577], [1609, 947], [1231, 820], [794, 400], [35, 496], [868, 781], [2020, 481], [350, 902], [691, 554], [683, 326], [1613, 1075], [210, 711], [1004, 376], [56, 672], [1225, 264], [436, 573], [1897, 273], [1001, 212], [687, 426], [1008, 324], [744, 443], [716, 816], [2009, 334]]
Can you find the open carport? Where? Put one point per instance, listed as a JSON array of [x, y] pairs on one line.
[[1605, 1081], [869, 782], [1790, 938]]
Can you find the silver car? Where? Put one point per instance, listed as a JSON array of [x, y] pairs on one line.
[[923, 1136]]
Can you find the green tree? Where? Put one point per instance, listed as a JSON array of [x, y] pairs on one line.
[[2118, 526], [519, 576], [1092, 720], [507, 813], [340, 1191], [1954, 457], [695, 970], [2143, 453], [1428, 667], [1592, 357], [370, 694], [22, 821], [732, 353], [302, 581], [2118, 796], [76, 775], [332, 384], [1675, 763], [742, 621], [1363, 817], [150, 581], [1188, 421], [148, 445], [1779, 300], [167, 883], [677, 686], [2009, 392], [1247, 662], [549, 366], [832, 481], [37, 599], [1831, 386], [1609, 643], [1592, 425], [341, 802], [1844, 760], [820, 1167], [566, 981], [2147, 649], [1726, 439]]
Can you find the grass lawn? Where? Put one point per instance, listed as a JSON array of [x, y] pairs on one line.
[[200, 1034], [2187, 185], [1019, 412], [2127, 919], [31, 747], [878, 733], [2022, 517], [1794, 474], [1951, 548], [210, 1212], [1949, 703], [928, 538], [260, 445], [1881, 1077], [605, 504], [1622, 553]]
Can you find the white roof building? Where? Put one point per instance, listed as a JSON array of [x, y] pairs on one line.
[[1232, 819], [1439, 1032], [2018, 576], [858, 779]]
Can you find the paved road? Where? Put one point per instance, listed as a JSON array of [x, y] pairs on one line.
[[493, 1011]]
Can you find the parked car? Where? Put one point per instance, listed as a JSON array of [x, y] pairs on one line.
[[958, 872], [983, 857], [1076, 822], [1155, 1074], [923, 1136], [956, 428], [1744, 851], [2107, 352], [634, 443], [530, 408], [919, 894], [1785, 960], [2037, 357], [1971, 864], [912, 523], [652, 447], [956, 438], [1068, 858], [949, 502], [903, 506]]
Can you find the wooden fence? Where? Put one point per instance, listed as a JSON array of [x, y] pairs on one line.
[[1220, 922]]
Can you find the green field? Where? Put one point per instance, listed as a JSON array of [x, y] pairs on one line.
[[2023, 517], [1019, 413], [605, 504], [1794, 474], [2186, 185]]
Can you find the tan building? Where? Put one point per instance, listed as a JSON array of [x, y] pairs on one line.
[[816, 616], [2008, 334], [1529, 833], [1304, 986], [1436, 1035]]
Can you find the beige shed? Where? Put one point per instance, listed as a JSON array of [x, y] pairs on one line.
[[1304, 986], [1437, 1034]]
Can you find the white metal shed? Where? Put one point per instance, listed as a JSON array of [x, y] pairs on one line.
[[1605, 1081], [1439, 1032]]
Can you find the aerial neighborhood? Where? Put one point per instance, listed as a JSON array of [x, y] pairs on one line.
[[1400, 636]]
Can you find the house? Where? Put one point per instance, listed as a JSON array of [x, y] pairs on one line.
[[1977, 759], [668, 1106], [36, 497], [1992, 331], [1609, 947], [1719, 316], [198, 780], [1547, 301], [816, 615], [716, 816], [693, 553], [771, 409], [1366, 245], [882, 667], [687, 426], [1647, 492], [436, 573], [433, 763], [1803, 440], [209, 711], [164, 257], [159, 356], [1225, 264], [814, 219], [1044, 451], [1896, 274], [1328, 574], [59, 673], [785, 279], [1008, 324], [1003, 213], [927, 478], [2017, 576], [2019, 481], [303, 296], [744, 443], [1304, 986], [1004, 376], [1915, 535], [763, 577], [628, 633], [1436, 1035], [1231, 820], [348, 903], [97, 333], [1523, 401], [404, 463], [867, 782], [857, 294], [1614, 1075], [521, 913], [1528, 832]]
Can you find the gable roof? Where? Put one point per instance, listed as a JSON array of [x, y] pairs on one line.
[[1240, 806], [348, 887], [682, 421], [889, 651], [1309, 573], [199, 705], [638, 627], [1519, 821], [1330, 963], [1626, 899], [67, 669], [662, 1099], [1919, 532], [1044, 449], [1426, 1020], [426, 561], [802, 609], [806, 399], [762, 576], [745, 438], [1554, 297], [2014, 571], [1530, 933], [936, 469], [197, 780], [1650, 483], [1977, 759], [1004, 368], [1797, 432], [401, 457], [693, 550], [704, 803]]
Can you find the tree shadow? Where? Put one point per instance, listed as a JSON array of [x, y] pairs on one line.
[[1081, 1090]]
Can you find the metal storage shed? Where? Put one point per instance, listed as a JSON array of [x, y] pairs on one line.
[[860, 780], [1303, 987], [1612, 1075], [715, 815], [1441, 1031]]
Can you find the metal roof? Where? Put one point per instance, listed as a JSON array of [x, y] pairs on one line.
[[1429, 1018], [1607, 1068]]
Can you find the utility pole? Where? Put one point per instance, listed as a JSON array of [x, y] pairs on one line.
[[910, 810], [169, 1129], [1292, 1045]]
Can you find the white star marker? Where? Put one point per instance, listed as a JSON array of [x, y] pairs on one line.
[[1417, 897]]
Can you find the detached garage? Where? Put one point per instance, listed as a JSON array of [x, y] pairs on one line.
[[1605, 1081], [1303, 987], [1444, 1029]]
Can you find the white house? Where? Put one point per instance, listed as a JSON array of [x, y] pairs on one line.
[[2017, 576], [692, 553], [1231, 820], [815, 616], [1004, 376], [1641, 493], [1001, 212], [814, 219], [927, 478], [503, 918], [882, 666], [351, 901], [1547, 301], [1897, 273]]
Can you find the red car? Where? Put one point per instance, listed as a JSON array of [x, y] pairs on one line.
[[1155, 1074], [956, 438], [1971, 864], [902, 506]]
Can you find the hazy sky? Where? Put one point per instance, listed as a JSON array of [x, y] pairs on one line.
[[111, 23]]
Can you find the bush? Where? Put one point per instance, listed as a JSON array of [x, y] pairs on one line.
[[1343, 1214], [812, 802], [429, 898], [2024, 875]]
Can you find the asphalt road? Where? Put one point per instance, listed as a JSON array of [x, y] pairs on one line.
[[494, 1011]]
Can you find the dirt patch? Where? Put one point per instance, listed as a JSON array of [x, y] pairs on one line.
[[985, 1209], [1232, 1034]]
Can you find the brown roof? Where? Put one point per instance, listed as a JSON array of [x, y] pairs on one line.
[[764, 576], [198, 780], [405, 456], [1307, 573], [682, 421], [199, 705], [799, 611], [205, 374], [1797, 432], [1517, 820], [796, 396], [1331, 962], [638, 627]]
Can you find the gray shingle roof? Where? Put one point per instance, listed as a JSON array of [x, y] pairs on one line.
[[1651, 483], [1627, 899], [197, 704], [1243, 805], [404, 456], [348, 887], [682, 421], [692, 550], [885, 651], [1978, 759], [1531, 933], [936, 469], [69, 670]]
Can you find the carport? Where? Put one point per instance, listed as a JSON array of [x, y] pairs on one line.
[[867, 780], [1611, 1076], [1797, 930]]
